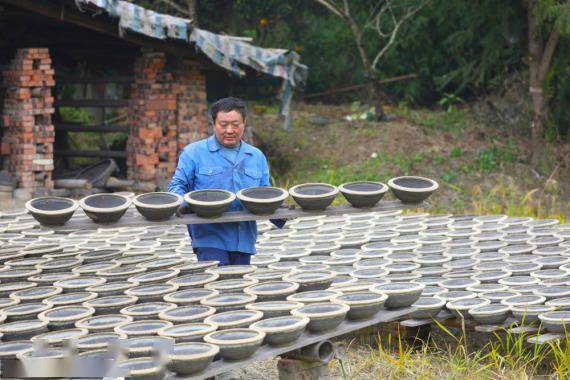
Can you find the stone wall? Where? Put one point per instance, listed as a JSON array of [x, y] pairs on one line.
[[27, 141]]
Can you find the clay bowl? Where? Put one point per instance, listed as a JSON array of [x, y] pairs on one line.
[[141, 368], [154, 277], [272, 290], [10, 350], [234, 319], [232, 271], [490, 314], [314, 296], [105, 208], [64, 317], [103, 323], [187, 314], [152, 292], [411, 189], [236, 344], [111, 288], [146, 310], [427, 307], [363, 194], [144, 346], [458, 283], [400, 294], [552, 292], [529, 314], [157, 205], [54, 211], [23, 311], [111, 304], [197, 267], [524, 300], [555, 321], [22, 330], [363, 305], [190, 358], [190, 296], [229, 301], [262, 200], [314, 196], [460, 308], [234, 285], [142, 328], [187, 332], [274, 309], [97, 341], [78, 284], [315, 280], [36, 294], [266, 275], [323, 316], [194, 280], [60, 337], [281, 330], [559, 303], [209, 203]]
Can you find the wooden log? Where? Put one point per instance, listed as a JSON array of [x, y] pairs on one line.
[[116, 183], [72, 184], [92, 103], [73, 127], [126, 79], [90, 153]]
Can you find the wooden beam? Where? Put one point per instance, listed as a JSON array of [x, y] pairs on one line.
[[73, 127], [125, 79], [90, 153], [92, 103]]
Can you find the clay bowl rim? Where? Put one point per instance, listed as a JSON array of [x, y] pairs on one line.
[[227, 201], [211, 328], [500, 309], [553, 302], [139, 203], [213, 351], [293, 286], [81, 323], [539, 301], [39, 324], [41, 336], [451, 305], [310, 300], [525, 309], [302, 322], [228, 286], [172, 299], [15, 352], [140, 372], [327, 275], [89, 311], [119, 329], [280, 198], [417, 288], [210, 338], [433, 187], [334, 191], [381, 297], [126, 299], [343, 189], [547, 317], [256, 316], [208, 312], [441, 303], [343, 309], [110, 210], [209, 302], [74, 205], [291, 306]]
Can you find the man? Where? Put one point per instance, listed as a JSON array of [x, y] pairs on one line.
[[223, 161]]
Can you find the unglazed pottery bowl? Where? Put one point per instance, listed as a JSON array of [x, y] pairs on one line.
[[411, 189], [55, 211], [209, 203], [236, 344], [363, 305], [555, 321], [158, 205], [363, 194], [323, 316], [262, 200], [105, 208], [190, 358], [427, 307], [490, 314], [314, 196], [281, 330], [400, 294]]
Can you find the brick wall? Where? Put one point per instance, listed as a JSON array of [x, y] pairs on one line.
[[167, 112], [27, 141]]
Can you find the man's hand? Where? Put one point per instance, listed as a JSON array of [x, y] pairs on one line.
[[182, 210]]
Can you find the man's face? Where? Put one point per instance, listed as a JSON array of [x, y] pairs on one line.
[[229, 128]]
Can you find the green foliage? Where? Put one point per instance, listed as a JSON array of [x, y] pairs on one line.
[[490, 159]]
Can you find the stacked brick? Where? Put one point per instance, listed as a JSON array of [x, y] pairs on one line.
[[152, 147], [27, 141], [192, 103]]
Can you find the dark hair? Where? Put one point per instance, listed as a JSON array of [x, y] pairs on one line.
[[227, 105]]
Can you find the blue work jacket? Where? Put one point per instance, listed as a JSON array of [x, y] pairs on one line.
[[203, 166]]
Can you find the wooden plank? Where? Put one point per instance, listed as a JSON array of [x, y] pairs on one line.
[[74, 127], [523, 330], [268, 352], [544, 338], [92, 103], [90, 153], [125, 79], [134, 219]]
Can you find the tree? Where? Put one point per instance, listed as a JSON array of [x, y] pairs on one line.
[[543, 15], [385, 18]]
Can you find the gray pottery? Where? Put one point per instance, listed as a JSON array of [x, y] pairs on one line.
[[552, 292], [197, 267], [281, 330], [144, 346], [60, 337], [141, 368], [363, 305], [490, 314], [155, 277], [559, 303], [152, 292], [187, 332], [22, 330], [209, 203], [229, 301], [427, 307], [111, 288], [410, 189], [103, 323], [105, 208], [98, 341], [54, 211], [158, 205], [317, 280], [23, 311], [10, 350], [232, 271], [460, 308], [194, 280], [314, 296], [36, 294], [363, 194], [273, 309], [236, 344], [272, 290], [524, 300], [111, 304], [555, 321], [234, 319], [64, 317], [323, 316], [262, 200], [529, 314], [65, 299], [234, 285], [146, 310], [400, 294], [190, 296], [187, 314], [497, 297], [314, 196], [190, 358], [142, 328]]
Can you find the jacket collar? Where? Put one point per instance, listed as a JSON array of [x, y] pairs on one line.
[[214, 146]]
